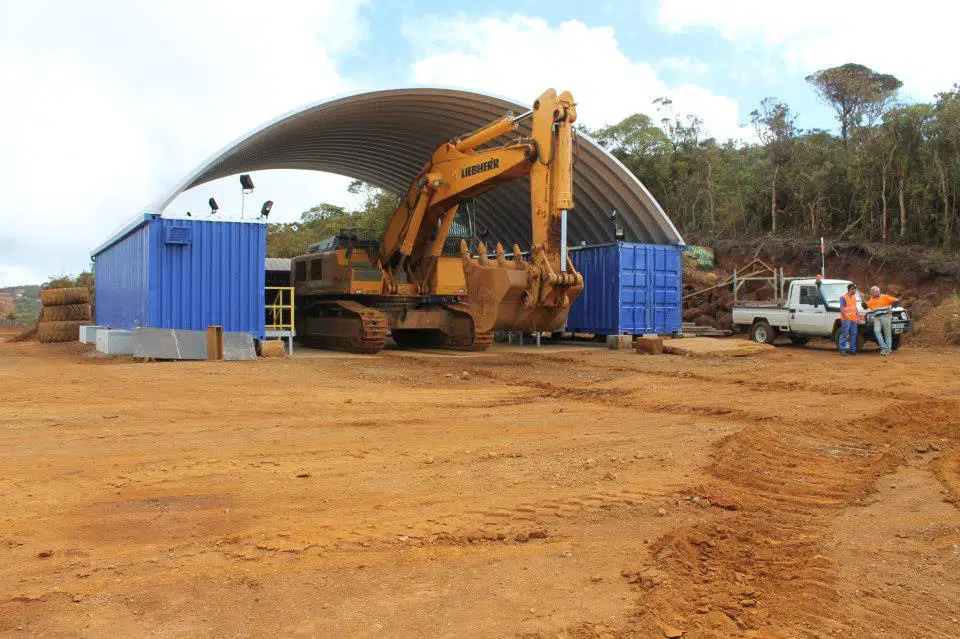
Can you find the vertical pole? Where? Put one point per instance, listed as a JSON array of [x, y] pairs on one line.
[[563, 242], [823, 258]]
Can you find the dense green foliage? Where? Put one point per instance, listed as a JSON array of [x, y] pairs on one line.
[[325, 220], [891, 176]]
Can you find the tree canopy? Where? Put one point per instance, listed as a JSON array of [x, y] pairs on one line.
[[855, 92], [891, 175]]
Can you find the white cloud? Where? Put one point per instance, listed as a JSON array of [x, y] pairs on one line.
[[521, 56], [107, 104], [292, 193], [914, 41], [686, 65]]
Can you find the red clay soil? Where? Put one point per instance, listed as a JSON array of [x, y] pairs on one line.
[[565, 492]]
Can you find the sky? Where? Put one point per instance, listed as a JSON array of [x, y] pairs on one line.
[[106, 104]]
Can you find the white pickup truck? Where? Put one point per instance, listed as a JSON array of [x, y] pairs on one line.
[[810, 308]]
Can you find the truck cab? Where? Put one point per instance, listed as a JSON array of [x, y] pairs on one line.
[[810, 308]]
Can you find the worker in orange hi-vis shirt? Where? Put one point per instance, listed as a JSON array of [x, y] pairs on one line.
[[881, 308], [850, 317]]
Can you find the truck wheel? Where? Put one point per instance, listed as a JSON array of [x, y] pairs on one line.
[[762, 333], [796, 340], [895, 342]]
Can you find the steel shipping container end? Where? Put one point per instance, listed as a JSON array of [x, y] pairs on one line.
[[629, 289], [183, 274]]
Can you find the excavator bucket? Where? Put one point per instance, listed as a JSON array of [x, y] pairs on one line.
[[515, 295]]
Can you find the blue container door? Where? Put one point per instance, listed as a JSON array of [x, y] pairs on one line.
[[666, 287], [635, 309], [650, 287]]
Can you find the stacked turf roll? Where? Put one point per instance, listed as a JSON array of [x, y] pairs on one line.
[[65, 310]]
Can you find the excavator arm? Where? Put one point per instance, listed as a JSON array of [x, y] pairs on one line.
[[505, 294]]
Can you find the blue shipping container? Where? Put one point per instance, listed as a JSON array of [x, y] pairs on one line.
[[184, 274], [629, 289]]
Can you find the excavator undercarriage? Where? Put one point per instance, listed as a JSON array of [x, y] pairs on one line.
[[352, 290]]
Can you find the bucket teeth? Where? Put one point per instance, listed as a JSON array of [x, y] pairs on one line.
[[464, 249], [517, 256], [501, 257], [482, 254]]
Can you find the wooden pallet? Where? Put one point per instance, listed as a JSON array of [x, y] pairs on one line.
[[692, 330]]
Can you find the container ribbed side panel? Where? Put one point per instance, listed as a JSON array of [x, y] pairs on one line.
[[628, 289], [122, 279], [207, 274], [597, 308]]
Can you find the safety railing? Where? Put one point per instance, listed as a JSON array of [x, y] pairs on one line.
[[279, 308]]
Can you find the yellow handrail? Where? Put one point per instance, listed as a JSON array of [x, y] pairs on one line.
[[279, 307]]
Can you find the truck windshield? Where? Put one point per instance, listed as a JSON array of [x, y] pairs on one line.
[[832, 292]]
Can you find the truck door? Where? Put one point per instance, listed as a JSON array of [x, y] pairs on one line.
[[807, 313]]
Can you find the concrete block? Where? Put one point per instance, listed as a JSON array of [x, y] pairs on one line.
[[166, 343], [88, 334], [649, 345], [114, 342], [239, 347], [619, 342]]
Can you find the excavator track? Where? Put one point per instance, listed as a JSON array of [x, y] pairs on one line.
[[468, 340], [344, 325], [480, 342]]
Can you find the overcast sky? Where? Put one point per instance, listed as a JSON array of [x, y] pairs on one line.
[[107, 104]]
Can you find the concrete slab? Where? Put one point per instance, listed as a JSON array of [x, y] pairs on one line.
[[619, 342], [88, 334], [114, 342], [711, 347], [165, 343], [238, 347]]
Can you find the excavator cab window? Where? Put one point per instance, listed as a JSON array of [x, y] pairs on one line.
[[300, 274], [459, 230], [316, 269]]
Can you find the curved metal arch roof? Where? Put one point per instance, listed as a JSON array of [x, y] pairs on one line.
[[384, 138]]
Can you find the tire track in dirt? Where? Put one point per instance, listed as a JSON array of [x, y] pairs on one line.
[[516, 523], [764, 567], [619, 398]]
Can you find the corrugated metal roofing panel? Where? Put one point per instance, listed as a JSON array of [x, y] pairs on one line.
[[384, 138], [628, 289]]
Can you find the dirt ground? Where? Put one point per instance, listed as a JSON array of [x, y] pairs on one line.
[[569, 491]]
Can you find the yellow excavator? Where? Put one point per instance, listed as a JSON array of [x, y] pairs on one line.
[[351, 289]]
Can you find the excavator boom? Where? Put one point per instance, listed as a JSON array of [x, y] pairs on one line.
[[478, 293], [535, 294]]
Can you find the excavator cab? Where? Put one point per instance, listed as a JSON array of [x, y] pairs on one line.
[[344, 264]]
